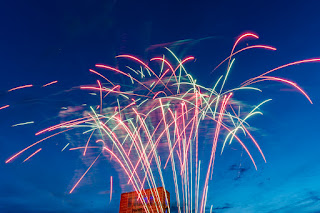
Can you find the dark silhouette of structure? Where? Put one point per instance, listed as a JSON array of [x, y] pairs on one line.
[[152, 199]]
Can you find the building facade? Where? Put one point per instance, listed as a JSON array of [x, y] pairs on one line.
[[155, 200]]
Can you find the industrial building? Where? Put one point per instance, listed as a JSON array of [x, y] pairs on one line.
[[155, 200]]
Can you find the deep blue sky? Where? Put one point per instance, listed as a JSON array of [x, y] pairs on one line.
[[42, 41]]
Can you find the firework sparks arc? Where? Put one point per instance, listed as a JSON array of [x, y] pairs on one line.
[[158, 125]]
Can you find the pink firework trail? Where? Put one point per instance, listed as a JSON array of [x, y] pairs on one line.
[[153, 132], [3, 107], [20, 87], [32, 155], [50, 83]]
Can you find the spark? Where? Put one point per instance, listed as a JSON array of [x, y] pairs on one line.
[[20, 87], [85, 147], [65, 147], [111, 186], [32, 155], [243, 49], [25, 149], [280, 67], [21, 124], [95, 72], [85, 150], [84, 174], [3, 107], [50, 83]]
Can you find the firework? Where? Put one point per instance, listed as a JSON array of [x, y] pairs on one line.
[[50, 83], [154, 126], [3, 107], [20, 87]]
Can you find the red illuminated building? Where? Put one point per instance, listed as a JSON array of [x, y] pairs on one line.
[[155, 200]]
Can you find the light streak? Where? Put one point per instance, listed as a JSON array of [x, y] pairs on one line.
[[3, 107], [280, 67], [242, 37], [25, 149], [123, 73], [100, 95], [243, 49], [108, 90], [111, 187], [50, 83], [32, 155], [20, 87], [21, 124], [214, 146], [95, 72], [270, 78], [85, 147], [65, 147], [84, 174], [146, 66], [85, 150], [72, 122]]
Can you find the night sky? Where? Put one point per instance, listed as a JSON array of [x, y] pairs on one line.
[[43, 41]]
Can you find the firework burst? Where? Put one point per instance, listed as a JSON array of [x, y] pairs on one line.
[[154, 126]]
